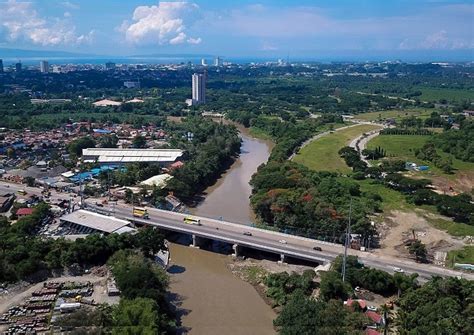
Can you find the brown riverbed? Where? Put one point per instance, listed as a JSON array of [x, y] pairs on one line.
[[211, 300]]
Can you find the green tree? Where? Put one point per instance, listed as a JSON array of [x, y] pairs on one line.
[[75, 147], [332, 287], [418, 249], [139, 142]]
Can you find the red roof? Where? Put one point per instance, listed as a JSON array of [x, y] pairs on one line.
[[377, 318], [361, 303], [177, 164], [24, 211]]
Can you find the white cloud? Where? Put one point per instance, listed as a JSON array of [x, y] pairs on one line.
[[70, 5], [165, 23], [67, 14], [194, 40], [267, 46], [439, 40], [21, 21]]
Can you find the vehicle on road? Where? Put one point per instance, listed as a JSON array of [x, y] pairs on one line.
[[98, 204], [191, 220], [282, 241], [399, 270], [22, 192], [247, 233], [372, 308], [317, 249], [140, 212]]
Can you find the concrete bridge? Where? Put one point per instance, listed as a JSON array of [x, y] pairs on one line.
[[284, 245]]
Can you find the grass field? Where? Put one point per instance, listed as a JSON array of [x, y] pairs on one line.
[[322, 154], [398, 115], [435, 94], [465, 255], [453, 228], [392, 200], [403, 147]]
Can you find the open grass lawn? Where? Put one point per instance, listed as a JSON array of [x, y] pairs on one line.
[[464, 255], [435, 94], [422, 113], [403, 147], [453, 228], [322, 154], [392, 200]]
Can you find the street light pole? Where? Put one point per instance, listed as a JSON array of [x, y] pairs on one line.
[[346, 243]]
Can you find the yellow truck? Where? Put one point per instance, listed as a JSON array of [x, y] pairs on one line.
[[140, 212]]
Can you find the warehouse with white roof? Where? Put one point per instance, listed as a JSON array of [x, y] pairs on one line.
[[87, 222], [108, 156]]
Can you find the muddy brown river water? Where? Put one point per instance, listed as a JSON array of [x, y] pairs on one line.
[[210, 298]]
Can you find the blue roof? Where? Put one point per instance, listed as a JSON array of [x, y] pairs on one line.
[[101, 131]]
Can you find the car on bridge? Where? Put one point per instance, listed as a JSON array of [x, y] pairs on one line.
[[247, 233], [282, 241], [399, 270], [317, 248]]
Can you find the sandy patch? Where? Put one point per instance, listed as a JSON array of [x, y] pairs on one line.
[[399, 226]]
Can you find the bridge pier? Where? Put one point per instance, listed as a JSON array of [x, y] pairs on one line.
[[282, 259], [196, 242], [236, 248]]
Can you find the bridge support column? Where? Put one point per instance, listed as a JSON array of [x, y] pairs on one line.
[[236, 248], [195, 243], [282, 259]]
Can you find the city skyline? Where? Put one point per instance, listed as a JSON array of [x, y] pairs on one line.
[[302, 29]]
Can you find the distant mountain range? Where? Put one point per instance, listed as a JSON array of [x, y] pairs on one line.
[[22, 53]]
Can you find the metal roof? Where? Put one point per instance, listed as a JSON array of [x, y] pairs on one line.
[[99, 222], [105, 155]]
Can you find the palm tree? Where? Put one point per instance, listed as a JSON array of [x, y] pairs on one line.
[[386, 314]]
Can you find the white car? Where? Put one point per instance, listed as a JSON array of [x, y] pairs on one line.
[[399, 270], [282, 241], [372, 308]]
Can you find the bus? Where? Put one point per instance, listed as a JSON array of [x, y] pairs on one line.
[[191, 220], [140, 212]]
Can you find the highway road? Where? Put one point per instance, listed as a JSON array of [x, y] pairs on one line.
[[261, 239], [265, 240]]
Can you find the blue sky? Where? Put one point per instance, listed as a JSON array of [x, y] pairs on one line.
[[301, 28]]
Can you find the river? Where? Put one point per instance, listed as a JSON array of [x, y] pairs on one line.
[[211, 299]]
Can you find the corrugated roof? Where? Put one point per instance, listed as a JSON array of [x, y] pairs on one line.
[[104, 223], [105, 155]]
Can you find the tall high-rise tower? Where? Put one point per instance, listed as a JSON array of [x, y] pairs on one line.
[[44, 66], [199, 89], [1, 66], [18, 66], [218, 61]]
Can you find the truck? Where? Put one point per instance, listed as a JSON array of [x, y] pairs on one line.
[[191, 220], [140, 212]]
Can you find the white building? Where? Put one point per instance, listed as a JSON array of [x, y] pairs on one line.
[[199, 89], [163, 157], [131, 84], [203, 62], [218, 61], [44, 66]]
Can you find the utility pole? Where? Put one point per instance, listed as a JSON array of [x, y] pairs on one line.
[[346, 242]]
